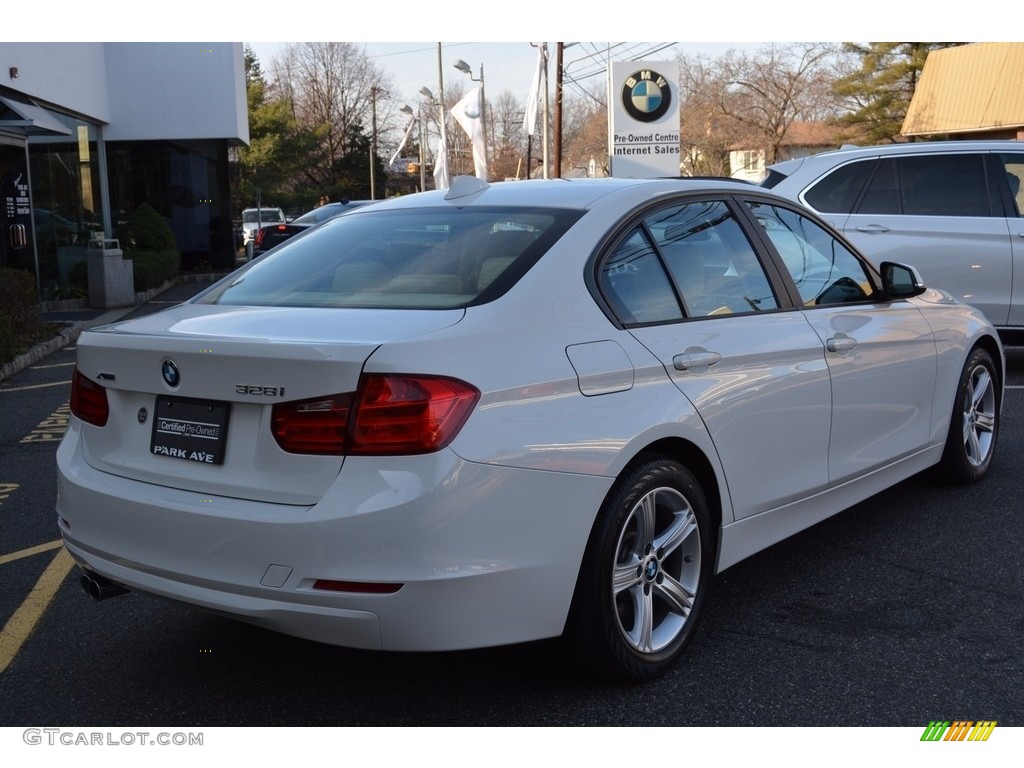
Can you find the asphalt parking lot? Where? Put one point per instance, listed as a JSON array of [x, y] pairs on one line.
[[902, 610]]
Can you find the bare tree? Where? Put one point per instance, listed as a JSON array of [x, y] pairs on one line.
[[706, 131], [584, 133], [778, 85], [334, 90], [507, 138], [751, 100]]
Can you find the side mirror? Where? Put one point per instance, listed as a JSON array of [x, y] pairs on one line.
[[901, 281]]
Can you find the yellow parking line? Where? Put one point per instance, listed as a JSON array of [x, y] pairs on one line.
[[37, 386], [23, 622], [30, 551]]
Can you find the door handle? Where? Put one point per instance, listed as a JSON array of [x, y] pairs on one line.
[[692, 361], [18, 236], [873, 229], [840, 344]]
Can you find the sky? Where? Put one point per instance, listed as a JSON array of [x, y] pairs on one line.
[[507, 66], [508, 60]]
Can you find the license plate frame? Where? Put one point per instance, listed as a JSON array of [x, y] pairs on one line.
[[190, 429]]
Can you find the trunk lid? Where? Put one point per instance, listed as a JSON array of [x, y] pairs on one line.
[[201, 365]]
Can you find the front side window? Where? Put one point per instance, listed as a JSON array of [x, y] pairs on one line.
[[824, 270], [1013, 166]]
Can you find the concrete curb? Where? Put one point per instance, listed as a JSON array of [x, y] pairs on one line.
[[41, 350], [72, 332]]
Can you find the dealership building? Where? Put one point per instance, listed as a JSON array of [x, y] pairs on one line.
[[91, 131]]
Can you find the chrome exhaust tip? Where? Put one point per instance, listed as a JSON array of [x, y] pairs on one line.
[[99, 587]]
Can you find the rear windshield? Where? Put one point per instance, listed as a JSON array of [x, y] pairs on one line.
[[437, 258]]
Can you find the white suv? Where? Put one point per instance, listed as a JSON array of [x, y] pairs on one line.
[[953, 209], [254, 218]]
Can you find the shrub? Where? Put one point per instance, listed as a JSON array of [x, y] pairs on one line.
[[146, 230], [21, 323], [7, 345], [19, 301], [152, 269]]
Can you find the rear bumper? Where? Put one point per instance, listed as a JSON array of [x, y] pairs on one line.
[[485, 555]]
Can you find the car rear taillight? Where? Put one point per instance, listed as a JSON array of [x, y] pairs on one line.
[[389, 415], [316, 426], [89, 400]]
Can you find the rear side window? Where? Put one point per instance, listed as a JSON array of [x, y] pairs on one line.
[[439, 258], [689, 260], [1013, 166], [944, 185], [838, 192]]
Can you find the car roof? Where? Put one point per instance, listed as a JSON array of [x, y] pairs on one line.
[[851, 151], [554, 193]]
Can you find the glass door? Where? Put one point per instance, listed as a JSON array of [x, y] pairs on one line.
[[16, 241]]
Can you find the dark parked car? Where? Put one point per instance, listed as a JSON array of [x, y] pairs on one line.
[[273, 234]]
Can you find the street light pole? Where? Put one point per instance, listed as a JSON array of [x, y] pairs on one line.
[[419, 122], [429, 96], [468, 70]]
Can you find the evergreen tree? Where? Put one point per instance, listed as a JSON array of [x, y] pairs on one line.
[[879, 90]]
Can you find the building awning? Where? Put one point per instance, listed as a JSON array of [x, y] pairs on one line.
[[29, 119], [969, 88]]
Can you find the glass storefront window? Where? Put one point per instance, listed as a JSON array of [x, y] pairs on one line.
[[65, 201]]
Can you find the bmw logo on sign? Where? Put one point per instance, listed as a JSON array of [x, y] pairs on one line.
[[646, 96], [170, 373]]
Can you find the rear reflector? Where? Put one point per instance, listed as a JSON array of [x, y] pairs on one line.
[[365, 587], [89, 400]]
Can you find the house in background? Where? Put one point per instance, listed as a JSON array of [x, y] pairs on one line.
[[747, 162], [91, 131], [970, 92]]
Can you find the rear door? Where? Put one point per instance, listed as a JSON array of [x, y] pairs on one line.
[[689, 285], [1010, 165], [939, 213]]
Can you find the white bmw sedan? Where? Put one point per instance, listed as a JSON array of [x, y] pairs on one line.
[[506, 412]]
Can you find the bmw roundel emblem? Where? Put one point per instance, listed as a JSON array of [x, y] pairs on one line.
[[170, 373], [646, 95]]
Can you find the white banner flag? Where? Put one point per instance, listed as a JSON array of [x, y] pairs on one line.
[[468, 113], [441, 165], [530, 118], [402, 145]]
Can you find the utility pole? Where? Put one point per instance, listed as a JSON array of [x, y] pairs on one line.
[[559, 48], [373, 143]]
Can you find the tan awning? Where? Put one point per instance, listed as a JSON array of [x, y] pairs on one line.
[[969, 88]]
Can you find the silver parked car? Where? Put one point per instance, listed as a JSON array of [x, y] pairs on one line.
[[952, 209], [505, 412]]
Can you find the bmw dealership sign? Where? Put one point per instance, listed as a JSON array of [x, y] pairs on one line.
[[643, 130]]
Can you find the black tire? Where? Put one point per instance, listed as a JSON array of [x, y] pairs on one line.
[[644, 574], [974, 425]]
